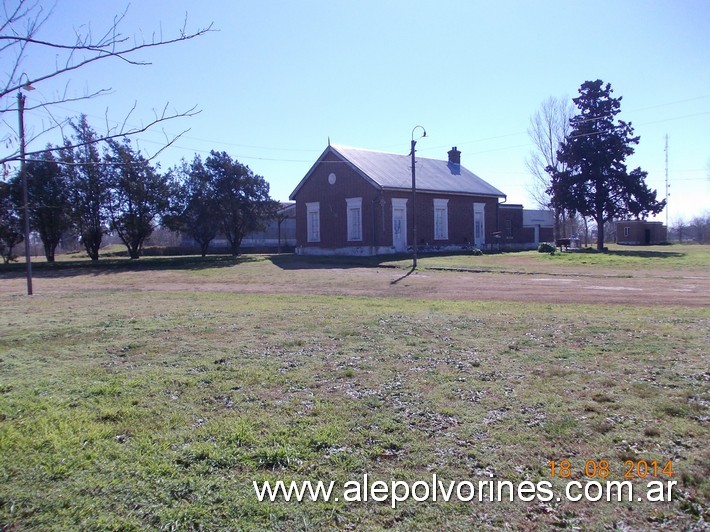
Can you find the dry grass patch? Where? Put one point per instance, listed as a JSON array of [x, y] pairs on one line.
[[135, 409]]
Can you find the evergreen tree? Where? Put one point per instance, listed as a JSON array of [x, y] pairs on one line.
[[138, 195], [242, 196], [88, 186], [595, 181], [11, 232], [48, 195], [193, 204]]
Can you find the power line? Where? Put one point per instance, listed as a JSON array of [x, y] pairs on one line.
[[425, 149]]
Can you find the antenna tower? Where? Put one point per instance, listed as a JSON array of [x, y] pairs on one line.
[[667, 185]]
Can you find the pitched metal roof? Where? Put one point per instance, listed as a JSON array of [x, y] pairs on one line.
[[394, 171]]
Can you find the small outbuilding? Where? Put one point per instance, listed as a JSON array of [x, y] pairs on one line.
[[524, 228], [641, 232]]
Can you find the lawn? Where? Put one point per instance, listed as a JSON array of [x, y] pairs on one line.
[[649, 259], [124, 406]]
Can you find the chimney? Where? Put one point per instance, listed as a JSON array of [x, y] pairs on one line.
[[454, 156]]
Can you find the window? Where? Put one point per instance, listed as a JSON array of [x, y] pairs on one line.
[[441, 219], [509, 228], [354, 219], [313, 221], [627, 231]]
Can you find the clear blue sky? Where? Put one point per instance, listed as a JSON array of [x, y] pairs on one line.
[[278, 78]]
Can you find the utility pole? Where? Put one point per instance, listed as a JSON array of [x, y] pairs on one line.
[[25, 201], [414, 207], [667, 185], [414, 196]]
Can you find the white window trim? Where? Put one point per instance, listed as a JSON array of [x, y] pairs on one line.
[[354, 230], [441, 231], [313, 233]]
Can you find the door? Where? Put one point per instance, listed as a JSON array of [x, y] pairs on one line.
[[399, 224], [479, 229]]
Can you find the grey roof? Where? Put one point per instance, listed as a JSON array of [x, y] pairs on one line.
[[394, 171]]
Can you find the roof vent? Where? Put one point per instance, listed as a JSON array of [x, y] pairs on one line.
[[454, 156]]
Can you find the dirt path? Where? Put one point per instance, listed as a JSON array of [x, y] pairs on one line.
[[663, 288]]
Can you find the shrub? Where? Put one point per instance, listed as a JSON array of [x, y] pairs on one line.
[[546, 247]]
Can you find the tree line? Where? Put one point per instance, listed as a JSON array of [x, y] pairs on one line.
[[90, 187], [696, 229]]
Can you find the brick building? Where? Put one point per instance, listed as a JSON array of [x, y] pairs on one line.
[[359, 202], [524, 228], [640, 232]]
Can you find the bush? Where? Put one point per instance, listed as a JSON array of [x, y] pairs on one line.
[[546, 247]]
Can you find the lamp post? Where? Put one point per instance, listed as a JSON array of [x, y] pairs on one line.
[[23, 178], [414, 195]]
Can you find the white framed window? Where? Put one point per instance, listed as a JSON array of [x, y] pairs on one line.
[[313, 221], [627, 231], [441, 219], [354, 207]]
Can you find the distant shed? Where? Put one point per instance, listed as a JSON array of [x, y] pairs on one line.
[[641, 232]]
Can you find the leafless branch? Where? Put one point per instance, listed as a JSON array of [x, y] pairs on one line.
[[21, 22], [549, 126], [111, 134], [101, 53], [168, 142]]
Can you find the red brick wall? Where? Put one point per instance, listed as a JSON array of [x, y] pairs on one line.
[[460, 210], [637, 232], [333, 208], [512, 218]]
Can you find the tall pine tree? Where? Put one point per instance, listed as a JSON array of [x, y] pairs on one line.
[[595, 181]]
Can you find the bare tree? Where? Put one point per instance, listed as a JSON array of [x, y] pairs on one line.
[[21, 24], [679, 227], [699, 227], [549, 126]]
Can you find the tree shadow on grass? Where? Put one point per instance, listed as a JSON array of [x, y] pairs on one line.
[[106, 266], [649, 254], [290, 261]]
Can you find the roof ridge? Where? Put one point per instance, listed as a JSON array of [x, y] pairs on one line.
[[336, 146]]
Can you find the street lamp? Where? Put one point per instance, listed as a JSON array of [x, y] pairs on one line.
[[414, 194], [23, 176]]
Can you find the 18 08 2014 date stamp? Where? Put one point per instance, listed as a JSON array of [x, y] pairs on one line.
[[630, 469], [595, 480]]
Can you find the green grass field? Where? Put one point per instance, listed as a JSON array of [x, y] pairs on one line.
[[138, 409]]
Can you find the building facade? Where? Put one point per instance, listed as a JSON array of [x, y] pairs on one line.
[[641, 232], [359, 202]]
